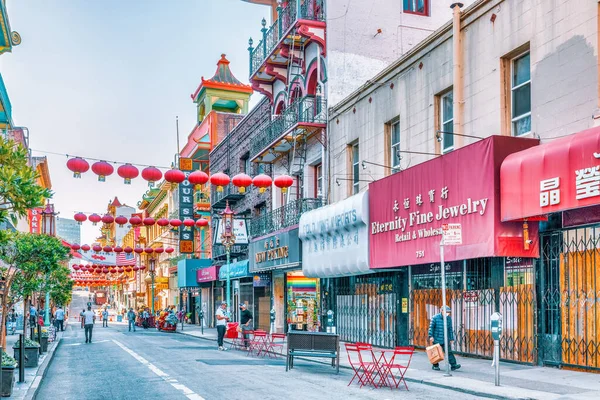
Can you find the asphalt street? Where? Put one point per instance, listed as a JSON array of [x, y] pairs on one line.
[[152, 365]]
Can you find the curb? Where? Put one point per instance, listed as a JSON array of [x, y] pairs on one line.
[[41, 373], [423, 382]]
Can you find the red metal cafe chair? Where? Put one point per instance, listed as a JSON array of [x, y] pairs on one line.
[[238, 342], [258, 342], [354, 361], [277, 343], [400, 362], [368, 362]]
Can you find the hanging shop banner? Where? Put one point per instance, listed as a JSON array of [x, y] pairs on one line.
[[186, 207], [560, 175], [335, 239], [239, 230], [236, 270], [35, 220], [276, 251], [408, 209], [207, 274]]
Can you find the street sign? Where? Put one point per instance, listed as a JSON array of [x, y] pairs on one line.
[[452, 234]]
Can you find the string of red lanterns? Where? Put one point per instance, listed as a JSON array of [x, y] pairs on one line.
[[118, 249], [175, 176], [137, 221]]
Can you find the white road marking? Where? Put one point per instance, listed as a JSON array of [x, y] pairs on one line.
[[189, 393], [81, 344]]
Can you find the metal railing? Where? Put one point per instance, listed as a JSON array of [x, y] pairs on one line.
[[307, 9], [229, 193], [309, 109], [282, 217], [237, 249]]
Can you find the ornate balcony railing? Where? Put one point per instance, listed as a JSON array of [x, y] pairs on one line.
[[309, 110], [229, 193], [288, 15], [282, 217], [237, 250]]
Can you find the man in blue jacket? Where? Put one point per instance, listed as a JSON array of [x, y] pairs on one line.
[[436, 336]]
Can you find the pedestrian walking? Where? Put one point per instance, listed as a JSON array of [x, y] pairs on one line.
[[82, 317], [145, 318], [131, 319], [60, 319], [436, 336], [246, 321], [105, 318], [222, 319], [89, 318], [32, 315]]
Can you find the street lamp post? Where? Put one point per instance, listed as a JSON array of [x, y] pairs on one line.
[[48, 228], [228, 240], [152, 273]]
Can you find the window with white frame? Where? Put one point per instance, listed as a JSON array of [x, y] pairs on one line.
[[355, 169], [419, 7], [447, 121], [521, 95], [395, 146], [318, 180]]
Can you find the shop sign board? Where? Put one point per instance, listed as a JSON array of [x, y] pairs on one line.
[[186, 206], [561, 175], [335, 239], [236, 270], [261, 280], [35, 220], [452, 234], [408, 209], [276, 250], [207, 274], [239, 230]]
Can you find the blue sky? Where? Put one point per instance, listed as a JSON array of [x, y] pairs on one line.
[[105, 79]]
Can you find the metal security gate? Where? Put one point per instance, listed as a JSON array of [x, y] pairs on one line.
[[365, 309], [569, 286], [476, 289]]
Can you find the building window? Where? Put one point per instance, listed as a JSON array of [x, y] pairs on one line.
[[447, 122], [355, 169], [419, 7], [395, 146], [245, 161], [318, 180], [521, 95]]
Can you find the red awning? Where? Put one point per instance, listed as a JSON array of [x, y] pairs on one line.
[[560, 175]]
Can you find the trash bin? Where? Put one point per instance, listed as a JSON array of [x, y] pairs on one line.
[[232, 332], [119, 318]]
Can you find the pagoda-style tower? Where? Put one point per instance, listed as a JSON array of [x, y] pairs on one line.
[[223, 92]]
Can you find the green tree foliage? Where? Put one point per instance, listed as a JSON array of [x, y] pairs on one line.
[[19, 190], [32, 263], [59, 285]]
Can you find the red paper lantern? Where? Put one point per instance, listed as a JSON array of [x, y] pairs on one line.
[[136, 268], [118, 249], [113, 270], [108, 219], [202, 222], [75, 246], [284, 182], [174, 176], [151, 174], [128, 172], [138, 250], [169, 250], [135, 220], [142, 267], [159, 250], [95, 218], [85, 248], [105, 270], [97, 248], [198, 178], [121, 220], [175, 222], [219, 180], [102, 169], [107, 249], [189, 222], [162, 222], [128, 250], [241, 181], [128, 269], [80, 217], [149, 250], [149, 221], [120, 270], [78, 165], [262, 182], [76, 267]]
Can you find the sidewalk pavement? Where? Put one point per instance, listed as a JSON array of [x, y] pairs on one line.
[[476, 376], [33, 376]]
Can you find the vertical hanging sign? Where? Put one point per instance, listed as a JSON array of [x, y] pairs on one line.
[[186, 207], [35, 220]]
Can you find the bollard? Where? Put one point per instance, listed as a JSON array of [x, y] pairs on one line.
[[22, 357], [39, 338], [496, 327], [202, 322], [272, 319]]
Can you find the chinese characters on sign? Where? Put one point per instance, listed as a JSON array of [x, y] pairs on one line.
[[549, 192], [272, 251]]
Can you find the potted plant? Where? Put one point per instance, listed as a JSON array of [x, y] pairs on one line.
[[8, 375], [44, 342], [31, 352]]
